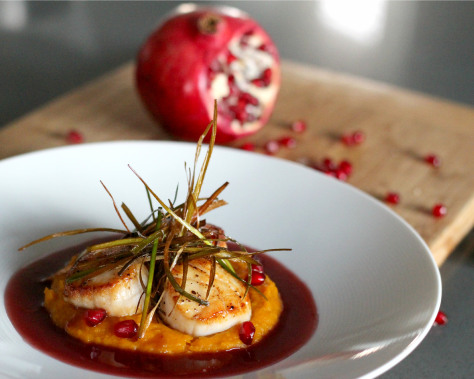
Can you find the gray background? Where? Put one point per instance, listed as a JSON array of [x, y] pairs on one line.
[[49, 48]]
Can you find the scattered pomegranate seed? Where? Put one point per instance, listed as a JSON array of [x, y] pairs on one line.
[[441, 318], [439, 210], [329, 164], [347, 139], [340, 174], [341, 171], [298, 126], [257, 278], [94, 316], [354, 138], [346, 166], [74, 137], [288, 142], [358, 137], [433, 160], [329, 172], [392, 198], [126, 329], [272, 147], [249, 146], [247, 332]]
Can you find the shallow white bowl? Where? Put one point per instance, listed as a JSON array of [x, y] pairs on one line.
[[376, 286]]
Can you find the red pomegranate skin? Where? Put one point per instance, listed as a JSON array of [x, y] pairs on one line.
[[174, 71]]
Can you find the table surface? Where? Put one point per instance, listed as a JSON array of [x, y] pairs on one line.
[[53, 47]]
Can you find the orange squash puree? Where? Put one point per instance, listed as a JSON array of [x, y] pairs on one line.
[[159, 338]]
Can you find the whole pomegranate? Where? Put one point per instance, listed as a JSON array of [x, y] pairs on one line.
[[199, 55]]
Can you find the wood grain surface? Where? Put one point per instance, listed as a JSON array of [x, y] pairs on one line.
[[401, 127]]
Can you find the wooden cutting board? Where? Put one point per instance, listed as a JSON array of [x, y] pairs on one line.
[[401, 127]]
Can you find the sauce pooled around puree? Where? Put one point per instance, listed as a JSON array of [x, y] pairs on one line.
[[24, 302]]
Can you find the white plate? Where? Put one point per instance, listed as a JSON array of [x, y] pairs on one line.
[[375, 283]]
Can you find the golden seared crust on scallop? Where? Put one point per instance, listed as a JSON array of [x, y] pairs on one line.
[[119, 295], [227, 304]]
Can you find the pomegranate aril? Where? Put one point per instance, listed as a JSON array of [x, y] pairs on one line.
[[441, 318], [257, 278], [257, 268], [93, 317], [271, 147], [248, 98], [340, 175], [239, 112], [329, 172], [433, 160], [439, 210], [392, 198], [126, 329], [244, 41], [298, 126], [329, 164], [247, 332], [264, 80], [241, 115], [264, 47], [358, 137], [288, 142], [347, 139], [231, 58], [267, 76], [346, 166], [231, 80], [74, 137], [249, 146], [354, 138]]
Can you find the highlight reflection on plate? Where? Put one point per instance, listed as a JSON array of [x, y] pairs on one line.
[[374, 281]]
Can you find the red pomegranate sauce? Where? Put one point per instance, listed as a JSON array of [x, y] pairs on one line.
[[297, 324]]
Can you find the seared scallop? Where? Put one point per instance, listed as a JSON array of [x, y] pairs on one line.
[[119, 295], [227, 304]]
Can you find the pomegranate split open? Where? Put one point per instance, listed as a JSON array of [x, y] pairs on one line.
[[198, 55]]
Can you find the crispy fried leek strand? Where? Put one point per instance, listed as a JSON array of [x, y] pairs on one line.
[[212, 200], [170, 276], [212, 276], [109, 244], [191, 228], [132, 218], [71, 233], [170, 235], [144, 320], [115, 206]]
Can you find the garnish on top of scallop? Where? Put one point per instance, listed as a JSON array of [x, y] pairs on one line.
[[173, 264]]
